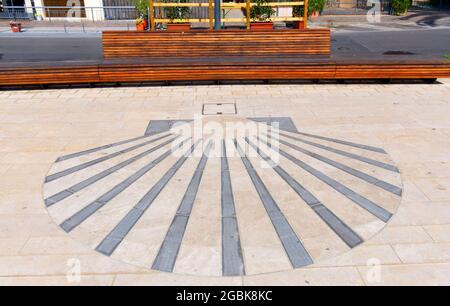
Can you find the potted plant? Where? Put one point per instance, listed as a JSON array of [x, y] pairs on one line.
[[141, 24], [298, 11], [315, 7], [400, 7], [142, 8], [174, 13], [16, 27], [260, 15]]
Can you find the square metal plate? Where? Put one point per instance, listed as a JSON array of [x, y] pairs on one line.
[[219, 109]]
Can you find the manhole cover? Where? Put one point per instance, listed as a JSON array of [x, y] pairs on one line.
[[219, 109], [234, 197]]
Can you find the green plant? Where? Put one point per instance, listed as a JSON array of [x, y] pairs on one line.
[[261, 11], [139, 21], [142, 7], [313, 6], [447, 56], [177, 12], [400, 7]]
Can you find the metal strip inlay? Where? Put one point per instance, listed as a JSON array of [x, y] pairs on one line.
[[346, 154], [167, 254], [81, 153], [90, 163], [359, 174], [347, 143], [232, 259], [93, 179], [342, 230], [115, 237], [296, 252], [89, 210], [363, 202]]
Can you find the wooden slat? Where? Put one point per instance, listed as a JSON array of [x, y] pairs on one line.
[[49, 75], [217, 43], [219, 68], [392, 70]]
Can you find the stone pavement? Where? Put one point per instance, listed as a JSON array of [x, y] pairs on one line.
[[409, 121]]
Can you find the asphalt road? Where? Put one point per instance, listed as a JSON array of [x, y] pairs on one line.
[[427, 43], [50, 47], [59, 47]]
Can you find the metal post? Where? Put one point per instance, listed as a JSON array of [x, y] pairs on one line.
[[217, 15], [148, 18]]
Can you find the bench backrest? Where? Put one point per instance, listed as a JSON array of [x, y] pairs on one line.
[[305, 43]]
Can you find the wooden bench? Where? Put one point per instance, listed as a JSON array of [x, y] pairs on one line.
[[42, 73], [314, 43], [219, 55]]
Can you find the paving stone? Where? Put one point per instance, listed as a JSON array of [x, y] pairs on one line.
[[407, 275], [423, 253], [439, 233], [413, 130]]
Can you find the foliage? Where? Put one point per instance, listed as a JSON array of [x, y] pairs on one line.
[[139, 21], [177, 12], [313, 6], [447, 56], [142, 7], [260, 11], [400, 7]]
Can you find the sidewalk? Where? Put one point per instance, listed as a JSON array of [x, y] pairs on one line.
[[414, 248], [338, 23]]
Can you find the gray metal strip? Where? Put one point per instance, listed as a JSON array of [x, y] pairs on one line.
[[115, 237], [347, 143], [298, 256], [341, 229], [159, 126], [232, 259], [359, 174], [363, 202], [78, 154], [284, 123], [167, 254], [90, 163], [89, 181], [78, 218], [347, 154]]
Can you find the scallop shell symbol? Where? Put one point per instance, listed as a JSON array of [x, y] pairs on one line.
[[259, 196]]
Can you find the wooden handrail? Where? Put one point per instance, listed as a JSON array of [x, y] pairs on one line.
[[210, 4]]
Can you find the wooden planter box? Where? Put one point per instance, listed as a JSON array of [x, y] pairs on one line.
[[179, 27], [261, 26], [142, 26], [299, 24]]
